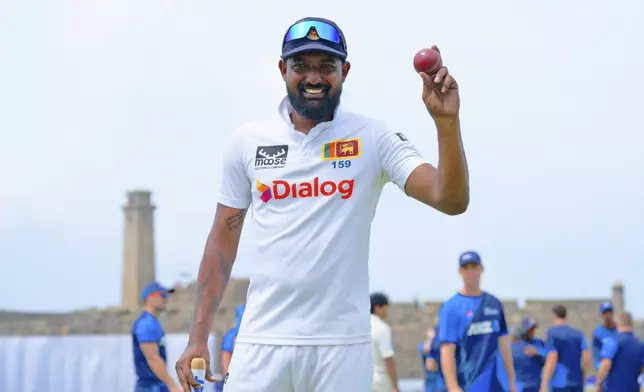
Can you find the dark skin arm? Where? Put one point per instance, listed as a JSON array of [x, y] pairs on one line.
[[445, 188], [214, 273]]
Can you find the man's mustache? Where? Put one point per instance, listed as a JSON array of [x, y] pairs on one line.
[[324, 87]]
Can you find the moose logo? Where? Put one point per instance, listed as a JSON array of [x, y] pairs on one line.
[[271, 157]]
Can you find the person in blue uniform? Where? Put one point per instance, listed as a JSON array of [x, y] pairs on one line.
[[606, 329], [622, 359], [568, 359], [529, 355], [148, 343], [473, 335], [228, 341], [429, 351]]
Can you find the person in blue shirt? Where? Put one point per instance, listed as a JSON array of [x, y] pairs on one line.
[[148, 343], [603, 331], [473, 334], [622, 359], [568, 359], [429, 352], [529, 355], [228, 341]]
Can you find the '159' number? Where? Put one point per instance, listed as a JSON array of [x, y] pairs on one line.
[[341, 164]]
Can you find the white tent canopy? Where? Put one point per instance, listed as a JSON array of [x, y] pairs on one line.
[[78, 363]]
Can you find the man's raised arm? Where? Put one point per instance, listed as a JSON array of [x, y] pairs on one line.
[[446, 187]]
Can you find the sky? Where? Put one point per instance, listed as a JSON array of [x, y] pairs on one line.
[[98, 98]]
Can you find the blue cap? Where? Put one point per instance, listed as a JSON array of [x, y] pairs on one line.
[[528, 323], [290, 48], [469, 258], [153, 287], [606, 307]]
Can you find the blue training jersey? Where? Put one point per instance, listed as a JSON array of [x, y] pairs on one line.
[[569, 343], [599, 334], [528, 369], [627, 355], [433, 353], [474, 324], [228, 341], [147, 329]]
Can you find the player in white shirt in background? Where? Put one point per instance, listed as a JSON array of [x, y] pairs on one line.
[[385, 378], [312, 174]]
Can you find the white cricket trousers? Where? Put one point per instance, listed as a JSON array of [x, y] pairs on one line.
[[270, 368]]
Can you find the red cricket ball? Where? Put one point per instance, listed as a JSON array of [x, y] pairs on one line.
[[428, 61]]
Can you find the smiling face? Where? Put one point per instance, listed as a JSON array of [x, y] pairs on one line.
[[314, 83]]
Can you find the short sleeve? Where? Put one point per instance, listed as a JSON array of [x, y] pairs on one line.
[[584, 343], [148, 330], [609, 349], [235, 187], [447, 325], [398, 156], [503, 326], [385, 344]]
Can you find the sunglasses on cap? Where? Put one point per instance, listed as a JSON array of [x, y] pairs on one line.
[[324, 31], [162, 294]]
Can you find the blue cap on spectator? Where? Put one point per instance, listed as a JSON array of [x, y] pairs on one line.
[[606, 307], [528, 323], [154, 287], [469, 257]]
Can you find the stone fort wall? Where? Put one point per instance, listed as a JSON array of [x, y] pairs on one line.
[[409, 321]]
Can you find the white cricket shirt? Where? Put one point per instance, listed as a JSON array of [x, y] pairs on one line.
[[382, 347], [313, 198]]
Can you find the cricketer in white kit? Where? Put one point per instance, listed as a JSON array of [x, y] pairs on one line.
[[312, 176]]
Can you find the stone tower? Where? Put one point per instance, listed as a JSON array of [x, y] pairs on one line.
[[618, 297], [138, 248]]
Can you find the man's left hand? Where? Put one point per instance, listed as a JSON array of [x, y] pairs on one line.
[[440, 93]]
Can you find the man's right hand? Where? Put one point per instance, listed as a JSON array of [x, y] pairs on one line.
[[184, 372], [530, 351], [176, 388], [455, 389]]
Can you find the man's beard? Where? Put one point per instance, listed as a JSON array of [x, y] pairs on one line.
[[315, 110]]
